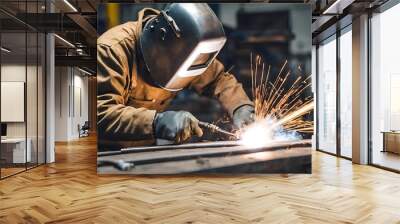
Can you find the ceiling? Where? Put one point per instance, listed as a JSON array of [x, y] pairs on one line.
[[76, 21]]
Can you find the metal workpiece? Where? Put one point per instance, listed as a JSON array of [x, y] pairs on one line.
[[213, 157]]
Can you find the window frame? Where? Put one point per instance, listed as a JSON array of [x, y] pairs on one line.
[[339, 32], [378, 10]]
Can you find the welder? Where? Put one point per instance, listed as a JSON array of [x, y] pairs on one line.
[[143, 64]]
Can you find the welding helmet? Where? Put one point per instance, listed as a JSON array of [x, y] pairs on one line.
[[180, 43]]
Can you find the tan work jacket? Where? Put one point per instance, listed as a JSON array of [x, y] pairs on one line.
[[126, 104]]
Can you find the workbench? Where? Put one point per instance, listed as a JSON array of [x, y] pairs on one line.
[[211, 157]]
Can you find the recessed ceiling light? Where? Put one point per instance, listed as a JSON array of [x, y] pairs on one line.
[[65, 41], [5, 49], [70, 5], [84, 71]]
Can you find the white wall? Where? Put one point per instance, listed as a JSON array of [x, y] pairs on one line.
[[15, 73], [33, 126], [80, 98], [71, 102], [61, 103], [10, 73]]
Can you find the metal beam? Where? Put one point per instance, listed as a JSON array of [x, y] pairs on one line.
[[321, 21], [44, 22], [84, 24], [78, 61], [331, 28], [338, 6]]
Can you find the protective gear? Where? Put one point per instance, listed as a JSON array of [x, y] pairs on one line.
[[178, 126], [243, 116], [180, 43], [127, 104]]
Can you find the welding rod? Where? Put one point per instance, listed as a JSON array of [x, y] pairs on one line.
[[215, 128]]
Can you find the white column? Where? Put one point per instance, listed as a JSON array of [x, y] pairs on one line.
[[360, 90], [50, 92]]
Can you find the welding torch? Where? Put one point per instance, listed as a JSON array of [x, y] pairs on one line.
[[215, 128]]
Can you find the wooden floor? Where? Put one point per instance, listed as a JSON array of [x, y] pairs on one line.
[[10, 171], [70, 191], [386, 159]]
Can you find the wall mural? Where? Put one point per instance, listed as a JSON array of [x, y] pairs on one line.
[[204, 88]]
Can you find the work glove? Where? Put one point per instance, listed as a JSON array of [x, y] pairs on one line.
[[242, 116], [177, 126]]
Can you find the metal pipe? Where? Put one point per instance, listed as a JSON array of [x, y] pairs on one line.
[[169, 147], [215, 128]]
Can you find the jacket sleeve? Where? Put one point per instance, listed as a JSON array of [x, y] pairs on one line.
[[223, 86], [115, 120]]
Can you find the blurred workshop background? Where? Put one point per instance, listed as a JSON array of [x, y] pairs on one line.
[[276, 32]]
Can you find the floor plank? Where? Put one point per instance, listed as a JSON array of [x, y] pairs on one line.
[[70, 191]]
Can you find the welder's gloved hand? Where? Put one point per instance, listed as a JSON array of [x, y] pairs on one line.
[[176, 126], [242, 116]]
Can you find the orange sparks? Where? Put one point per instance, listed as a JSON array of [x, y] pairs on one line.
[[272, 101]]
